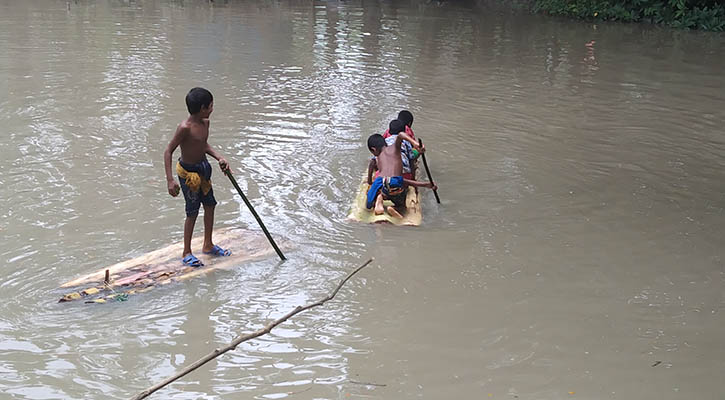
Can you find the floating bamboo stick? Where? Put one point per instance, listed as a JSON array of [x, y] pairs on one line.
[[233, 345]]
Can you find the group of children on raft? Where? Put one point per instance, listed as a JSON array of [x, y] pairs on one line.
[[393, 165]]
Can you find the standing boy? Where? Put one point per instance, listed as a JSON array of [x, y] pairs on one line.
[[195, 171], [390, 185]]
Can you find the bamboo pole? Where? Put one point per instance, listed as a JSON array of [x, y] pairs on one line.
[[427, 171], [233, 345], [254, 213]]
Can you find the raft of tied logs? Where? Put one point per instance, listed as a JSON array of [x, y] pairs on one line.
[[412, 214], [164, 266]]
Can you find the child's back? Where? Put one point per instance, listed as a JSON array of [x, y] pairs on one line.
[[389, 162]]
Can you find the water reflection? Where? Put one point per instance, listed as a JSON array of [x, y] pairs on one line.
[[579, 230]]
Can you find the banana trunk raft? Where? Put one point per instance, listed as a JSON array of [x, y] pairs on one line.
[[164, 266], [412, 214]]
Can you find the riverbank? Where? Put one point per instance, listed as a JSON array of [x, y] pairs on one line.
[[704, 15], [707, 15]]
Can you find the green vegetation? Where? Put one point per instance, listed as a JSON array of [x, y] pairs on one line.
[[689, 14]]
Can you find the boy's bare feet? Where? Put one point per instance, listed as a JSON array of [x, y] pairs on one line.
[[379, 209], [392, 211]]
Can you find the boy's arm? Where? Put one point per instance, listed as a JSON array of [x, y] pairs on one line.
[[372, 166], [404, 136], [223, 164], [429, 185], [173, 144]]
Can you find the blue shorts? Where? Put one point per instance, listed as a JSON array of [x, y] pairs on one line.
[[392, 189], [194, 200]]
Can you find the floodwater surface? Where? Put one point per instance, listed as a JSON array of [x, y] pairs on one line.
[[577, 252]]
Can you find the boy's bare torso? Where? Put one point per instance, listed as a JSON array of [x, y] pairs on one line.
[[389, 162], [194, 145]]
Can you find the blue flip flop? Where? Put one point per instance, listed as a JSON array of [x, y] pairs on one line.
[[192, 261], [219, 252]]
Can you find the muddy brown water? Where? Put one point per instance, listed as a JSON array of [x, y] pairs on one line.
[[577, 253]]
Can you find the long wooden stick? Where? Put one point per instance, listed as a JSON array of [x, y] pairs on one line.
[[259, 220], [427, 171], [233, 345]]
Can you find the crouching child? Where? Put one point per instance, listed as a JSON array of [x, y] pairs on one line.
[[390, 184]]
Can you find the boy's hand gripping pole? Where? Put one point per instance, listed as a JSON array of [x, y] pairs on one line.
[[427, 171], [259, 220]]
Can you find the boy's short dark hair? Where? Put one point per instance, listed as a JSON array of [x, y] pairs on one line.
[[396, 126], [406, 116], [196, 98], [376, 141]]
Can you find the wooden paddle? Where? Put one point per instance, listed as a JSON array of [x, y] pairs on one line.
[[427, 171], [261, 224]]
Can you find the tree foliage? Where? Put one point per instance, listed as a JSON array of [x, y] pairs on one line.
[[688, 14]]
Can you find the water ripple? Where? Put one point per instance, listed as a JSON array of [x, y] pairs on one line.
[[579, 173]]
